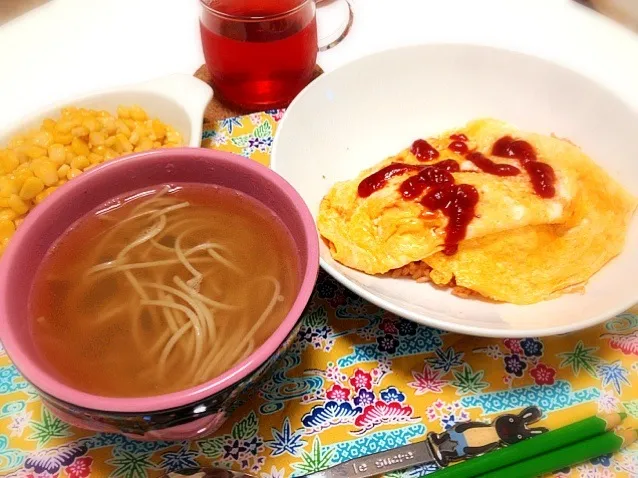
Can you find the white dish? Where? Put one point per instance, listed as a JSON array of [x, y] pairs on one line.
[[355, 116], [178, 100]]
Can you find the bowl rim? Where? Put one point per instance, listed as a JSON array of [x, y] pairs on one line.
[[169, 87], [388, 305], [47, 383]]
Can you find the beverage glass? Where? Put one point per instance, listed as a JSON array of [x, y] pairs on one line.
[[260, 53]]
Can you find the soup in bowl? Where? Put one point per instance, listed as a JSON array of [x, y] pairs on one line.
[[160, 288]]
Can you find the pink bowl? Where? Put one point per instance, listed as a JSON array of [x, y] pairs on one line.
[[190, 413]]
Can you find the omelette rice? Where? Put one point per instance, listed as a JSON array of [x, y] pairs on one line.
[[489, 210]]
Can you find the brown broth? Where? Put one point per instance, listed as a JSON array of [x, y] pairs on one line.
[[89, 328]]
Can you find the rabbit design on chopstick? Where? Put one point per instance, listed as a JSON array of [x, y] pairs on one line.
[[469, 439]]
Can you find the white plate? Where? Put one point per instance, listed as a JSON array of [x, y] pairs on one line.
[[178, 100], [355, 116]]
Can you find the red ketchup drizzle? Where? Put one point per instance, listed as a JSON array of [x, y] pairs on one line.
[[448, 165], [540, 174], [543, 178], [487, 165], [508, 147], [377, 180], [458, 202], [423, 150], [430, 176], [458, 147]]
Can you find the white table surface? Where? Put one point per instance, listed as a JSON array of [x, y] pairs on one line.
[[69, 47]]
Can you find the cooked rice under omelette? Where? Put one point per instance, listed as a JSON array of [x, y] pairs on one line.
[[517, 247]]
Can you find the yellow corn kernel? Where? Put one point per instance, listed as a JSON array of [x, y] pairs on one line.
[[101, 150], [122, 144], [64, 126], [110, 154], [34, 151], [42, 139], [7, 187], [69, 111], [18, 205], [88, 168], [21, 176], [22, 158], [7, 228], [44, 194], [143, 130], [96, 138], [46, 170], [16, 142], [57, 153], [62, 138], [134, 138], [95, 158], [9, 161], [3, 245], [159, 129], [122, 128], [73, 173], [80, 147], [138, 114], [39, 160], [144, 145], [173, 137], [49, 125], [80, 131], [22, 168], [80, 162], [68, 154], [63, 171], [110, 125], [123, 112], [33, 165], [31, 188], [7, 214], [91, 123]]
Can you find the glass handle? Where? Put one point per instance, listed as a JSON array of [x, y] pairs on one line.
[[334, 20]]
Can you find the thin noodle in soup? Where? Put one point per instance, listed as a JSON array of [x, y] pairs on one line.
[[162, 290]]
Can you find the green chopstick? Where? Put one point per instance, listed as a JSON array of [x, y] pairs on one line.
[[574, 433], [570, 455]]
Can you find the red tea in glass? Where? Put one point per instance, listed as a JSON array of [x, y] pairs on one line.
[[260, 53]]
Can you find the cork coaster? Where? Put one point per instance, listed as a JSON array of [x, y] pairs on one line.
[[217, 110]]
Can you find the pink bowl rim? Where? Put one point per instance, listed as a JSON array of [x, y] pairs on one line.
[[49, 385]]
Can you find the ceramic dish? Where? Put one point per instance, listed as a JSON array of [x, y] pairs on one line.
[[190, 413], [340, 125], [178, 100]]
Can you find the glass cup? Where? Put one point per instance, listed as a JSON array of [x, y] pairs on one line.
[[260, 53]]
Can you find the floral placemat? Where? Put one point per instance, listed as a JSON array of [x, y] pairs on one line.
[[357, 380]]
